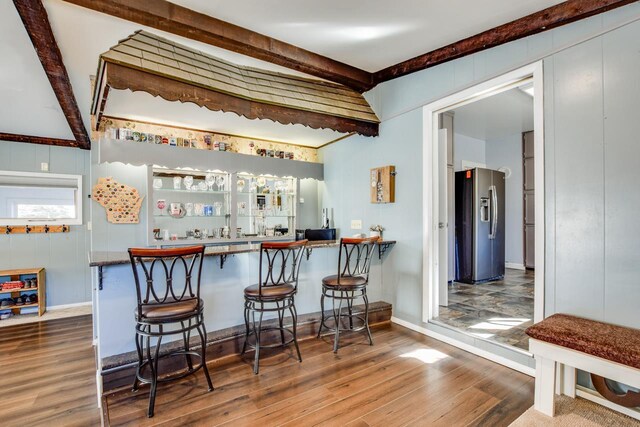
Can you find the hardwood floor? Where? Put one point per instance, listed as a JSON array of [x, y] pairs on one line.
[[404, 379], [48, 374], [48, 378]]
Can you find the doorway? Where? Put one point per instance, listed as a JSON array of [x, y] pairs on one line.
[[484, 229]]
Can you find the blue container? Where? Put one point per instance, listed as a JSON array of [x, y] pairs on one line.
[[208, 210]]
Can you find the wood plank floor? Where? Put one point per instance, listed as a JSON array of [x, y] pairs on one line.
[[404, 379], [47, 374]]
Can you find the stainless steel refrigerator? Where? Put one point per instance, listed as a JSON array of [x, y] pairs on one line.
[[479, 232]]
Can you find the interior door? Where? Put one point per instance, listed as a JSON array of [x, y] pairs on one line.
[[443, 264]]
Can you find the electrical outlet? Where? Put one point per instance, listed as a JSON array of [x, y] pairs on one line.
[[356, 224], [301, 199], [44, 167]]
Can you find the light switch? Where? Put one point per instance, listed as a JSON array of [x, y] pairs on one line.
[[356, 224], [301, 199]]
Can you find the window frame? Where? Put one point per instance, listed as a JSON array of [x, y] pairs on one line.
[[78, 220]]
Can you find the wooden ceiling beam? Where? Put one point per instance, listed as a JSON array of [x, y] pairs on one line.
[[546, 19], [179, 20], [36, 22], [38, 140]]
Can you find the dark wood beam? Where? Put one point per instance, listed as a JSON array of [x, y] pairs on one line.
[[38, 140], [119, 77], [175, 19], [35, 20], [546, 19]]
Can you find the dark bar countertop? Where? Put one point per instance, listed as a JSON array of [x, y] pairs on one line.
[[102, 258]]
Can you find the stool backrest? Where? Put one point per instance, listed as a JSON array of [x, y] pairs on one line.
[[280, 263], [354, 259], [159, 267]]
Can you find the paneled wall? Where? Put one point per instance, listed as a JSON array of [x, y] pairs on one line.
[[592, 99], [63, 255]]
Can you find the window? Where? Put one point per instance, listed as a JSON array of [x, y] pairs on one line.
[[29, 198]]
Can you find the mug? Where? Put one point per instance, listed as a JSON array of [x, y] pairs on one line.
[[176, 210], [198, 209], [208, 210]]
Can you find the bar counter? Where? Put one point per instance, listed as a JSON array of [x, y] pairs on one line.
[[226, 271]]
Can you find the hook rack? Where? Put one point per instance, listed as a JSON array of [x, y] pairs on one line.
[[30, 229]]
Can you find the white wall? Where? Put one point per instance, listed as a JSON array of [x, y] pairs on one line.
[[467, 148], [63, 255], [507, 152]]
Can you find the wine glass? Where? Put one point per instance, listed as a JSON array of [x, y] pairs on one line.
[[220, 182], [161, 204], [188, 182], [210, 179]]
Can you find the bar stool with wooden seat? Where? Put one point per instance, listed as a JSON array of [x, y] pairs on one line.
[[167, 305], [275, 292], [354, 261]]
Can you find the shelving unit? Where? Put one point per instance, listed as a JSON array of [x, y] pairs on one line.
[[254, 207], [22, 274], [216, 196]]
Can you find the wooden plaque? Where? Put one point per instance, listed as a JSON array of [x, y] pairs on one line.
[[383, 184]]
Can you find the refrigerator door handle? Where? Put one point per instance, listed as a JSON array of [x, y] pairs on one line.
[[494, 212]]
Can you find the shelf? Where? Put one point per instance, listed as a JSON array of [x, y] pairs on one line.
[[265, 194], [192, 216], [18, 290], [266, 216], [171, 190], [13, 307]]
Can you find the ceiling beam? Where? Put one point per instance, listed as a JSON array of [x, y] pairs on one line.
[[179, 20], [546, 19], [35, 20], [37, 140]]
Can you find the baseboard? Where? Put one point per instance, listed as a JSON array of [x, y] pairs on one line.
[[63, 306], [514, 266], [117, 371], [594, 397], [466, 347]]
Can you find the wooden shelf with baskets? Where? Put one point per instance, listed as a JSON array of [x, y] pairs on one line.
[[23, 274]]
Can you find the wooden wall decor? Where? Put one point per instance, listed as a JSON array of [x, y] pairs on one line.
[[36, 22], [30, 229], [123, 78], [121, 202], [383, 184]]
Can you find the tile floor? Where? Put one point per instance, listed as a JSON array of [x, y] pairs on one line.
[[498, 311]]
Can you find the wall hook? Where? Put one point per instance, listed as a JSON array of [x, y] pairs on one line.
[[8, 229], [46, 228]]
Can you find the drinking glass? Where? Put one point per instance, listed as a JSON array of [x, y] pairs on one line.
[[188, 182], [210, 179], [220, 182], [161, 204], [157, 183]]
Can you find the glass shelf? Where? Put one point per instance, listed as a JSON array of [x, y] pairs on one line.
[[266, 216], [192, 216], [265, 194], [171, 190]]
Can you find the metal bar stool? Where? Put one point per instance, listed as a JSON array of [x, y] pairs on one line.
[[275, 292], [167, 307], [354, 261]]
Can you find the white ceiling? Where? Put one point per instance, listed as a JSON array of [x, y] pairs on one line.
[[495, 117], [369, 34]]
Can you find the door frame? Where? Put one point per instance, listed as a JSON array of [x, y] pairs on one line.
[[430, 208]]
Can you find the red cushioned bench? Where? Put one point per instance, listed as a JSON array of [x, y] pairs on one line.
[[562, 343]]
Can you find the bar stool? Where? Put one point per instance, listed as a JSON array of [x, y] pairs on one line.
[[354, 261], [275, 292], [167, 307]]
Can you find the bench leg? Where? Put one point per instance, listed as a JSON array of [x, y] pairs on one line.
[[545, 385], [569, 381]]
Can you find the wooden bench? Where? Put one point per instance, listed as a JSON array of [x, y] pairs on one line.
[[562, 343]]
